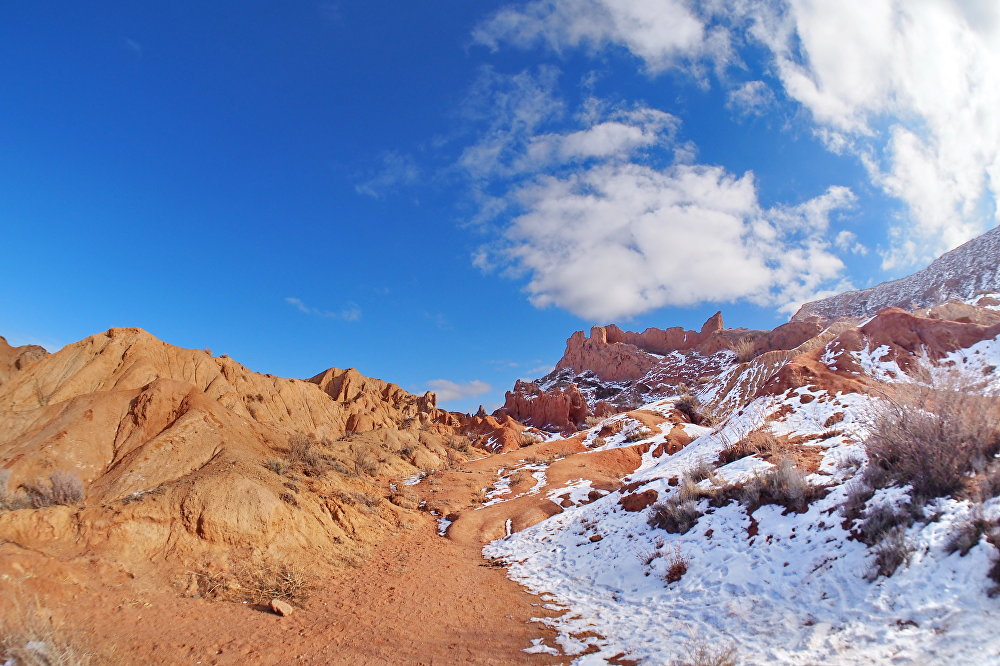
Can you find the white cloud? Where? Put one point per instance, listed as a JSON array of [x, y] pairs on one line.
[[616, 240], [350, 312], [752, 98], [662, 33], [911, 87], [600, 228], [448, 390]]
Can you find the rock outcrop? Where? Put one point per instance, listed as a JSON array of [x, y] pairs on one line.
[[964, 274], [181, 455]]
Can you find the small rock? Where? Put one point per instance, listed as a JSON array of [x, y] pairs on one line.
[[282, 608]]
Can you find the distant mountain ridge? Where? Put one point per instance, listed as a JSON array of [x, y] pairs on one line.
[[970, 270]]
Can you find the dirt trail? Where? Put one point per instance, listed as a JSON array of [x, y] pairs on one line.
[[420, 599]]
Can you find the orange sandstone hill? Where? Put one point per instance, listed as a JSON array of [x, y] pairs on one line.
[[157, 457]]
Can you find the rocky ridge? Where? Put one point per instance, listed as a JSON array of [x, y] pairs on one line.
[[967, 273]]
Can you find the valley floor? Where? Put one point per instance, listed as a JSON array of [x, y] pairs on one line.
[[420, 599]]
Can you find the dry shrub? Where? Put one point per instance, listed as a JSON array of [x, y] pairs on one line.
[[931, 438], [29, 636], [279, 467], [891, 552], [704, 654], [677, 566], [257, 579], [365, 462], [743, 348], [638, 434], [970, 531], [62, 488], [302, 451], [592, 421], [880, 521], [784, 485], [697, 413]]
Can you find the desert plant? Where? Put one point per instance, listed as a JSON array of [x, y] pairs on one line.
[[677, 566], [697, 413], [743, 348], [638, 434], [891, 552], [703, 654], [29, 636], [931, 438], [62, 488], [676, 515]]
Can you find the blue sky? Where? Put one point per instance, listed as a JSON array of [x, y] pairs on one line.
[[439, 193]]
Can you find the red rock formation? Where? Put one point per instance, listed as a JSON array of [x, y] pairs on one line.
[[561, 409]]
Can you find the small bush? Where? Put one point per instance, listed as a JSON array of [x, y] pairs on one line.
[[676, 515], [969, 532], [691, 407], [743, 348], [638, 434], [880, 521], [677, 566], [703, 654], [279, 467], [931, 438], [592, 421], [891, 552], [63, 488]]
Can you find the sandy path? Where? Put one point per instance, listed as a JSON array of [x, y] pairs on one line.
[[420, 599]]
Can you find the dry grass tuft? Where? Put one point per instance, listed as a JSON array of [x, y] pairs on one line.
[[743, 348], [63, 488], [677, 566], [932, 438], [692, 408], [703, 654], [257, 579], [29, 636]]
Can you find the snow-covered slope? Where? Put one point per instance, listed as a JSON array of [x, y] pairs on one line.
[[961, 274], [784, 581]]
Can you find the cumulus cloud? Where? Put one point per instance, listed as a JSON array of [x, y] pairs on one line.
[[350, 312], [616, 240], [448, 390], [752, 98], [911, 88], [662, 33], [606, 214]]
